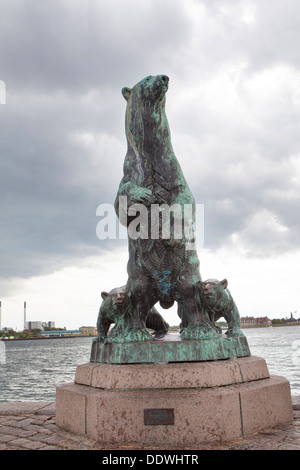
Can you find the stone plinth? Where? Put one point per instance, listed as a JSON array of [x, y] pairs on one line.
[[170, 349], [184, 403]]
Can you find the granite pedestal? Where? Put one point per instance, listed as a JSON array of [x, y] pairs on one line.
[[182, 402]]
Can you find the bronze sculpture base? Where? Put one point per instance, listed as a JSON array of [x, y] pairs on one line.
[[171, 348]]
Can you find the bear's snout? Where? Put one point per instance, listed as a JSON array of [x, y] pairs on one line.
[[164, 82], [207, 290]]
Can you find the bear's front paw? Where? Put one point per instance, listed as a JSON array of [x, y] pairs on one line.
[[237, 332], [198, 332], [142, 196], [129, 335], [99, 339]]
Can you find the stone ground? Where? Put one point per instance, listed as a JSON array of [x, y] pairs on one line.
[[31, 426]]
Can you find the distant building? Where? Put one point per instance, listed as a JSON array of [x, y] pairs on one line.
[[39, 325], [88, 330], [247, 321], [60, 333], [291, 319], [34, 325], [49, 324], [264, 321], [252, 321]]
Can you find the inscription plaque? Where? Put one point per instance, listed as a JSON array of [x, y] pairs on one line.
[[155, 416]]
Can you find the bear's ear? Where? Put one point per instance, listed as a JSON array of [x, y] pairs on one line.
[[126, 92], [104, 294], [224, 283]]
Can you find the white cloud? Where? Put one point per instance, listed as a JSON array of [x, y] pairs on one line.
[[263, 235], [239, 13]]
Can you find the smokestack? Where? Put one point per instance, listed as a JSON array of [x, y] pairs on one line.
[[25, 323], [0, 317]]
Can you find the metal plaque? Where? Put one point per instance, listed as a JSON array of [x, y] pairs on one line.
[[154, 416]]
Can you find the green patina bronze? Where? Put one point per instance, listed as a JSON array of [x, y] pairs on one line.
[[171, 349], [115, 309], [161, 268], [219, 303]]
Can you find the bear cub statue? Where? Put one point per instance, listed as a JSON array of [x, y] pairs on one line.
[[219, 303], [115, 308]]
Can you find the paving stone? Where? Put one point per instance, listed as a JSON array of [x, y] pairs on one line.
[[22, 408], [18, 442], [290, 447], [40, 436], [55, 440], [49, 448], [50, 426], [22, 433], [33, 445], [6, 438], [30, 431], [7, 430], [46, 431], [31, 428], [21, 423]]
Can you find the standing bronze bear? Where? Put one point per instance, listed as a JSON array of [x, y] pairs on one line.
[[160, 268]]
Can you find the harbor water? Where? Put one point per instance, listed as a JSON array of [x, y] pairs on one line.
[[30, 370]]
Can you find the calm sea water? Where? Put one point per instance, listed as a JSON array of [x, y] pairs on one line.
[[31, 370]]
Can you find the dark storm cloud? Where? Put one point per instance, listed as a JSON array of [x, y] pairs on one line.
[[50, 183], [62, 130], [76, 46], [240, 124]]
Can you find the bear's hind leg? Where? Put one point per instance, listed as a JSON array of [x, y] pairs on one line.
[[156, 322], [195, 322]]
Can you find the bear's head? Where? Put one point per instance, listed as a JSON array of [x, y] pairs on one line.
[[146, 121], [150, 89], [116, 301], [214, 292]]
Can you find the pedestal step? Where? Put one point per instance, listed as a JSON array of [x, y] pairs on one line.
[[173, 404]]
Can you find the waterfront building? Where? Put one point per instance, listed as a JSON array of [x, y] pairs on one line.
[[39, 325], [252, 321], [34, 325], [49, 324], [247, 321], [263, 321], [88, 330], [60, 333]]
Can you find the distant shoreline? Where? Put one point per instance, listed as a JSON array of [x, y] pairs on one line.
[[47, 337], [270, 326], [172, 329]]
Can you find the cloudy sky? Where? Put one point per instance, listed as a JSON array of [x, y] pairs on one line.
[[233, 107]]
